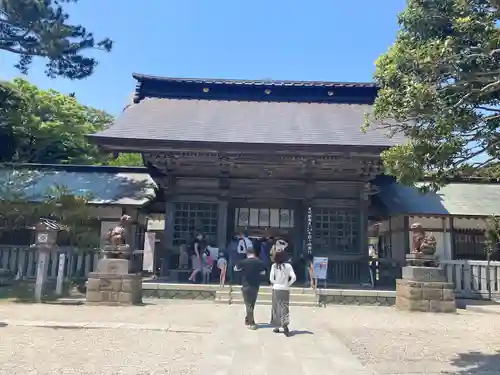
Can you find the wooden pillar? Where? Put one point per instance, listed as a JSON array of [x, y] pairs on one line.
[[364, 202], [222, 224], [452, 238], [406, 233], [363, 219], [169, 235], [300, 235]]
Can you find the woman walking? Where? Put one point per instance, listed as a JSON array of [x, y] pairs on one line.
[[281, 277]]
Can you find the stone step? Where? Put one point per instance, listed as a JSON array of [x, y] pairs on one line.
[[264, 297], [239, 301], [269, 289], [293, 297]]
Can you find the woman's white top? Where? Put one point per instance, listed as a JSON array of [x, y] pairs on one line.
[[282, 278]]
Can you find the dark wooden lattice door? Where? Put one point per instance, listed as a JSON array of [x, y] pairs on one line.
[[336, 236]]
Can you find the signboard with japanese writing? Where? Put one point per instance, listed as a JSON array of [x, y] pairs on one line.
[[320, 265]]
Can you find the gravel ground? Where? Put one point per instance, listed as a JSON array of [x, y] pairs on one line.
[[188, 337], [32, 350], [393, 342]]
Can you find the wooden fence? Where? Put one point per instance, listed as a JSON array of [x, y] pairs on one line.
[[18, 258], [473, 278]]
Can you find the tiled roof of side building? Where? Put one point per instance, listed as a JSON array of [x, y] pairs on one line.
[[466, 198], [127, 186]]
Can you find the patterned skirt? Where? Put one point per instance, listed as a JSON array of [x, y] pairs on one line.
[[280, 312]]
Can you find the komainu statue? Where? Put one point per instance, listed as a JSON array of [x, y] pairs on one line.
[[423, 252], [116, 238]]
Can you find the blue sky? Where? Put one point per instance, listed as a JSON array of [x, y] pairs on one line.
[[336, 40]]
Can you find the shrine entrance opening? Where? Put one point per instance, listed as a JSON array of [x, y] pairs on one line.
[[265, 222]]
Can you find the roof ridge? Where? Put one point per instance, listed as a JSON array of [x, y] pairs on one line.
[[155, 98], [253, 82]]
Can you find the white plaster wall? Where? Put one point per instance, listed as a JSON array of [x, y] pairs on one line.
[[397, 222], [398, 246], [383, 226], [107, 212]]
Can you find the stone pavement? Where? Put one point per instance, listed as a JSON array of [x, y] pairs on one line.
[[189, 337]]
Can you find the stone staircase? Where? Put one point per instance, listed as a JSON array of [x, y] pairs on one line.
[[298, 296]]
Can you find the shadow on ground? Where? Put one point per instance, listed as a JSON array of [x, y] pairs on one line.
[[300, 332], [476, 363], [296, 332], [22, 291]]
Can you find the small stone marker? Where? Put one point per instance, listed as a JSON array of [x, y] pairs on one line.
[[60, 274]]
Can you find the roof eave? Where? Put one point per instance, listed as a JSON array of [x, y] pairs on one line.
[[114, 144]]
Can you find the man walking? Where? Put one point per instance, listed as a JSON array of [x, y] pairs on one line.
[[251, 268]]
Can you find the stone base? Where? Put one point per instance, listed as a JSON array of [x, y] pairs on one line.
[[421, 260], [113, 285], [434, 274], [425, 296]]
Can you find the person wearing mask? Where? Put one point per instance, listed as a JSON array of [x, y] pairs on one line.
[[281, 277], [251, 269]]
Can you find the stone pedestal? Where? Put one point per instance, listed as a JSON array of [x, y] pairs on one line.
[[113, 285], [425, 289]]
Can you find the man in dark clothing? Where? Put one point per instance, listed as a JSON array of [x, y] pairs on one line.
[[251, 269]]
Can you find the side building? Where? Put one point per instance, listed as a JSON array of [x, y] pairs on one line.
[[112, 192]]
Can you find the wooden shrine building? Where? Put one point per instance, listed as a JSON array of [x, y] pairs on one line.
[[259, 155]]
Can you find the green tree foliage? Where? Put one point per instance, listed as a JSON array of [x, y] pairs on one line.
[[41, 28], [492, 234], [128, 160], [50, 127], [440, 86]]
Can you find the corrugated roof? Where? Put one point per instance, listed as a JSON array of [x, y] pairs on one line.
[[132, 189], [248, 122], [459, 199]]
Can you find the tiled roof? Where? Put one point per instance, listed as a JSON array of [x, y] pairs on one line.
[[247, 122], [459, 199], [104, 187]]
